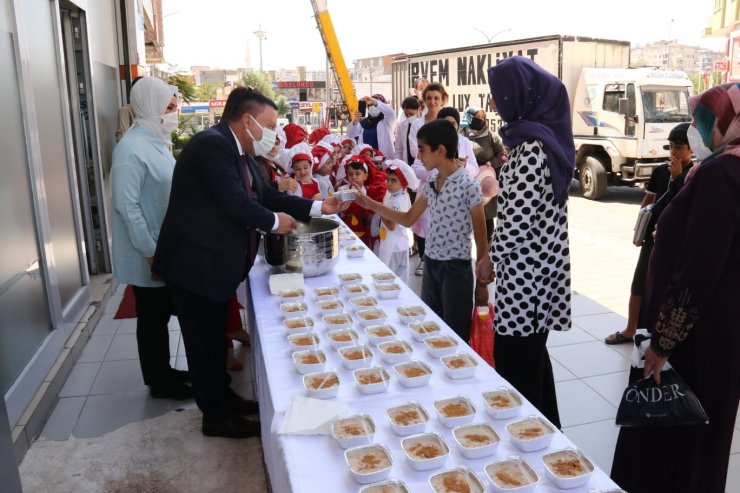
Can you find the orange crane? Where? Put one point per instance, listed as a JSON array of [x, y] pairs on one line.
[[334, 53]]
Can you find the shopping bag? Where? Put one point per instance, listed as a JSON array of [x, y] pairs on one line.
[[481, 333], [481, 329], [670, 403]]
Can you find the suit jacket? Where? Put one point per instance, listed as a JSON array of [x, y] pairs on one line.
[[203, 245]]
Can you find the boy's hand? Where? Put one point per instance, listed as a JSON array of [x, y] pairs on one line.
[[363, 200], [287, 184], [674, 167], [484, 270]]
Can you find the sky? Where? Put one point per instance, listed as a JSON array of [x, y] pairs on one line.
[[220, 33]]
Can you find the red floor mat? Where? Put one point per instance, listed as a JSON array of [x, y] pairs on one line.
[[127, 308]]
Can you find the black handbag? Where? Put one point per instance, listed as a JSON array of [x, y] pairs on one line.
[[670, 403]]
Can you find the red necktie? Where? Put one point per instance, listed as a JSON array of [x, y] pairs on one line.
[[253, 235]]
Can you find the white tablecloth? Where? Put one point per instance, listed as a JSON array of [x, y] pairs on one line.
[[316, 463]]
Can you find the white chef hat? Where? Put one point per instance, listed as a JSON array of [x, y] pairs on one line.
[[404, 172]]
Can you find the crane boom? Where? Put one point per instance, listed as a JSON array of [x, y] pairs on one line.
[[334, 53]]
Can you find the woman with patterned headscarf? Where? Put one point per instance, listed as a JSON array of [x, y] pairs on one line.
[[693, 311], [530, 243]]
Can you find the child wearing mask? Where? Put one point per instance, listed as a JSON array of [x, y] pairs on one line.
[[394, 238], [456, 208], [301, 163]]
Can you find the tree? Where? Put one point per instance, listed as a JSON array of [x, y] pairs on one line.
[[283, 106], [259, 81], [206, 91], [176, 77]]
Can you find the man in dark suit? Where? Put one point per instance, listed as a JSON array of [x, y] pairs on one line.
[[208, 243]]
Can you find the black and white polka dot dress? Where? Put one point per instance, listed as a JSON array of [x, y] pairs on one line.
[[530, 248]]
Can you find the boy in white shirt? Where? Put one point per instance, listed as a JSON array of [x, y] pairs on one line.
[[394, 238]]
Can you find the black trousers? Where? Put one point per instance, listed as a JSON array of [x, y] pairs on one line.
[[447, 287], [525, 363], [203, 327], [153, 311], [420, 244]]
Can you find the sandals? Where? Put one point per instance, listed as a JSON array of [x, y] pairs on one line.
[[617, 338]]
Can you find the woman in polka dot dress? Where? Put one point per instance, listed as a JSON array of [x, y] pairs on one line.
[[530, 244]]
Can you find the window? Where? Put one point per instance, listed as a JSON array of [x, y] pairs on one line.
[[665, 104], [612, 94]]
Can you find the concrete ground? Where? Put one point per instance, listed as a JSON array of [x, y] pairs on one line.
[[105, 424]]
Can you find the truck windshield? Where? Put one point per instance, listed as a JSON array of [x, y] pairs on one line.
[[665, 104]]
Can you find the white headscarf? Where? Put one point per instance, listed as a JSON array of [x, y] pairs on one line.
[[149, 99]]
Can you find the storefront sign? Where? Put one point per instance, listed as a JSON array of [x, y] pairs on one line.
[[300, 84]]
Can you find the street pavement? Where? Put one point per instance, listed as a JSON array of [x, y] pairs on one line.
[[602, 255]]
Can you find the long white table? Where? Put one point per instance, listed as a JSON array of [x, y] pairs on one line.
[[298, 464]]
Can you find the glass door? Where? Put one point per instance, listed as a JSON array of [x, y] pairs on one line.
[[25, 319], [74, 39]]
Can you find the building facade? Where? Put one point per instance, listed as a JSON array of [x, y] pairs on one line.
[[725, 23], [671, 55], [67, 67]]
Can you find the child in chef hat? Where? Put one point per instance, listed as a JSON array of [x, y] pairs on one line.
[[394, 242], [323, 166], [301, 163], [362, 176]]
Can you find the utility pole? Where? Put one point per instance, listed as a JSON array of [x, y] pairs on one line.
[[261, 34]]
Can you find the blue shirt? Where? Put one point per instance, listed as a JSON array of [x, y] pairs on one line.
[[141, 177]]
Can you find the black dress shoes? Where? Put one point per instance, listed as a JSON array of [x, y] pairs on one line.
[[232, 427], [244, 407], [176, 391], [182, 376]]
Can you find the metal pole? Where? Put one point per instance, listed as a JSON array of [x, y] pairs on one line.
[[261, 34], [328, 92]]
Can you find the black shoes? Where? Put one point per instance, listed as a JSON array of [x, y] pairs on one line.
[[244, 407], [231, 427], [176, 391], [182, 376]]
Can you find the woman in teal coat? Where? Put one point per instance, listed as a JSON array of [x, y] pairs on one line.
[[141, 176]]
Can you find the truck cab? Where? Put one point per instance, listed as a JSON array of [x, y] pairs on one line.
[[621, 121]]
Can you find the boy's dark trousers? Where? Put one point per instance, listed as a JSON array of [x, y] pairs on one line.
[[447, 287]]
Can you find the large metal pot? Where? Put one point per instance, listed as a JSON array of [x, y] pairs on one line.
[[311, 248]]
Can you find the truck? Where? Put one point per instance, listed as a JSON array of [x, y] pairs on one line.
[[621, 115]]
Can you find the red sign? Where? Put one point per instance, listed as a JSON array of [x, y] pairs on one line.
[[720, 66], [217, 103], [303, 84]]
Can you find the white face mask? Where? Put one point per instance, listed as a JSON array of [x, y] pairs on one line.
[[169, 122], [700, 150], [412, 117], [266, 143], [373, 111]]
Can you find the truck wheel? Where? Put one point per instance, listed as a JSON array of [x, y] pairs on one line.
[[592, 179]]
